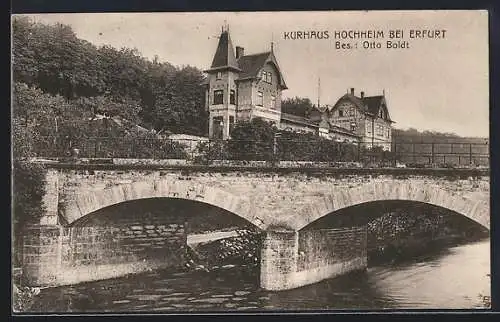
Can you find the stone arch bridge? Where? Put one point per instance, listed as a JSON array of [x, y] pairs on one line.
[[276, 200]]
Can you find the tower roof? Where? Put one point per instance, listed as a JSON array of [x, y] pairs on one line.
[[224, 55]]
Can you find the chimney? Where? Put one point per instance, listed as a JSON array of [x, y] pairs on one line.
[[240, 51], [352, 90], [362, 94]]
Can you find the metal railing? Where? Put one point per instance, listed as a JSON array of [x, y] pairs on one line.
[[385, 154]]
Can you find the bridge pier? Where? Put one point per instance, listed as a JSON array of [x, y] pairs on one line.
[[279, 260], [292, 259]]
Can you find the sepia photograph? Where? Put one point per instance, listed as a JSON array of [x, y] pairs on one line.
[[305, 161]]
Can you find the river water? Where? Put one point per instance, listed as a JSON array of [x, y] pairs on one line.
[[449, 278]]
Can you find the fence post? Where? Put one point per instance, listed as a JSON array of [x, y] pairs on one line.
[[470, 154], [432, 153], [209, 156], [275, 147], [413, 153], [395, 154], [191, 149], [359, 152]]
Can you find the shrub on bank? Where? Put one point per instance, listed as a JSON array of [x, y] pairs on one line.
[[27, 191]]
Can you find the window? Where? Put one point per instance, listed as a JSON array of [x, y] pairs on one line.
[[218, 97], [353, 126], [231, 124], [381, 113], [219, 75], [267, 77], [260, 99], [273, 101], [232, 96], [351, 112], [341, 113]]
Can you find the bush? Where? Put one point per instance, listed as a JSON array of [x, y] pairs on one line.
[[206, 151], [252, 140], [28, 190]]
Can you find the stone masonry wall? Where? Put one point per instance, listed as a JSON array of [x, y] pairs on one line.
[[290, 199], [41, 254], [323, 247], [327, 253], [265, 198], [294, 259], [279, 260], [68, 255]]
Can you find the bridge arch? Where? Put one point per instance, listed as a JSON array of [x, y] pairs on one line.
[[477, 210], [84, 201]]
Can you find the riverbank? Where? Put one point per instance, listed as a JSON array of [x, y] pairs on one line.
[[23, 297], [241, 249], [413, 249]]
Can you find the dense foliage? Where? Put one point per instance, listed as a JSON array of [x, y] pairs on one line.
[[72, 75], [27, 206], [298, 106], [258, 140]]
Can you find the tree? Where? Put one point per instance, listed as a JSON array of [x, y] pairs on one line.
[[180, 106], [105, 80], [55, 60], [297, 106]]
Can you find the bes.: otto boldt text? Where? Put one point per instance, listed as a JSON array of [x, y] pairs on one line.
[[368, 39]]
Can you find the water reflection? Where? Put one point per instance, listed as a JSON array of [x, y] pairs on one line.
[[450, 278]]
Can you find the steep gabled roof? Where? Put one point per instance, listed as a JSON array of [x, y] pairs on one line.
[[250, 66], [368, 104], [373, 104], [224, 55]]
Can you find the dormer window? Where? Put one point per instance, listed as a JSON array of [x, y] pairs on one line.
[[267, 77], [219, 75]]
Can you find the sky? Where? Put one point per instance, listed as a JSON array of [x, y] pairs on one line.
[[436, 84]]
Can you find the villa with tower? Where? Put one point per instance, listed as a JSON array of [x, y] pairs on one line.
[[240, 87]]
